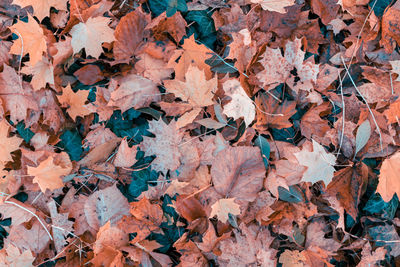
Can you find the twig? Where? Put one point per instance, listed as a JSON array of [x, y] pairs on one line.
[[363, 98], [343, 114]]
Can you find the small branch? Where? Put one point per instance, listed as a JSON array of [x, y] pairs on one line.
[[363, 98]]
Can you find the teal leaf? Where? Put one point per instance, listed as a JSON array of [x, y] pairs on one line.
[[25, 133], [71, 142], [265, 148], [293, 195]]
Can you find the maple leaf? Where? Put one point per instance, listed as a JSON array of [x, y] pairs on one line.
[[388, 178], [393, 112], [275, 5], [145, 218], [42, 73], [110, 236], [16, 258], [319, 164], [223, 207], [31, 40], [41, 8], [7, 144], [164, 145], [196, 89], [241, 105], [48, 174], [193, 53], [369, 257], [90, 35], [134, 91], [75, 102], [126, 156]]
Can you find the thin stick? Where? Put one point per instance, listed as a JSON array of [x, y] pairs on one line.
[[266, 113], [363, 98], [37, 217], [343, 114]]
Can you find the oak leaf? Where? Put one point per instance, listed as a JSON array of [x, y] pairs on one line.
[[41, 8], [241, 105], [90, 35], [7, 144], [31, 40], [223, 207], [49, 172], [320, 164], [389, 178], [165, 145], [275, 5], [75, 102]]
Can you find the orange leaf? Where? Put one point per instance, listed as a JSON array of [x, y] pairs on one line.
[[41, 8], [48, 174], [31, 40]]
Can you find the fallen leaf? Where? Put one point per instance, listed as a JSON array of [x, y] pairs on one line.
[[129, 34], [274, 5], [241, 105], [126, 156], [48, 175], [165, 145], [196, 89], [134, 91], [7, 144], [41, 8], [90, 35], [319, 164], [31, 40], [75, 102], [238, 172], [105, 205], [223, 207], [42, 73], [388, 178]]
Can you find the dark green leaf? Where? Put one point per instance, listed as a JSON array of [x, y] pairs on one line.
[[293, 195], [263, 144], [25, 133], [71, 141], [376, 205], [220, 66], [380, 6]]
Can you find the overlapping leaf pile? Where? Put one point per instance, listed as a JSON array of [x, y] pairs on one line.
[[199, 133]]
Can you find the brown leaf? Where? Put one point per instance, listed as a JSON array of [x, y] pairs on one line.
[[105, 205], [348, 186], [129, 34], [89, 74], [238, 172]]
